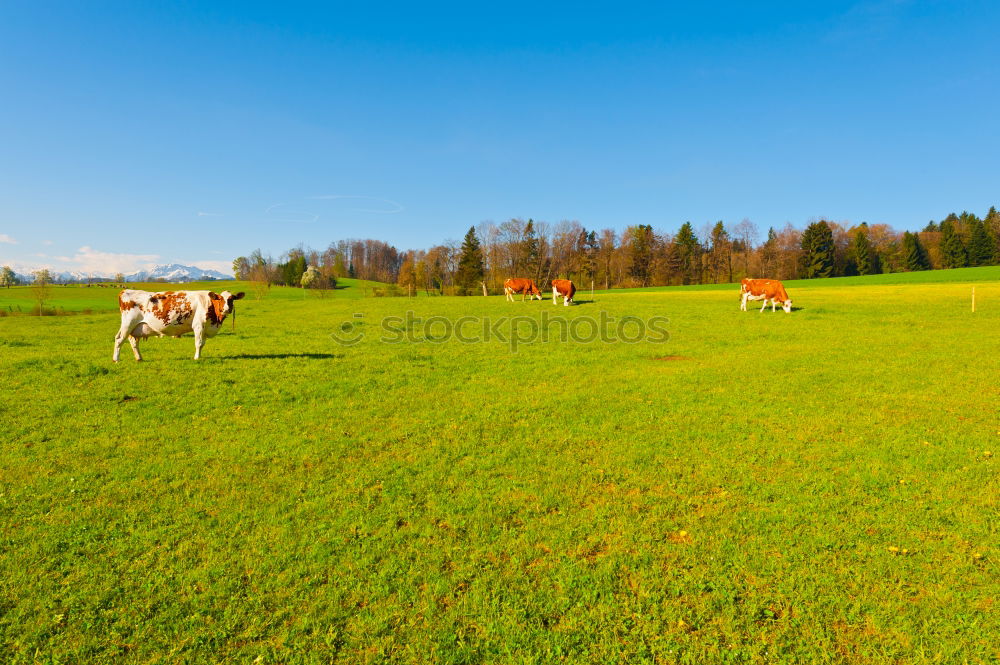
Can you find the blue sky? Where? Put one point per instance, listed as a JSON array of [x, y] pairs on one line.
[[197, 132]]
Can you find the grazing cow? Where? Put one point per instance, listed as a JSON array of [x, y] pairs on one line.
[[171, 313], [564, 288], [764, 289], [526, 287]]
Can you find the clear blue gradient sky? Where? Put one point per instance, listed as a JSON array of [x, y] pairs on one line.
[[199, 131]]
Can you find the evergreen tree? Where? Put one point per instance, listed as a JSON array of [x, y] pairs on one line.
[[674, 263], [586, 254], [861, 252], [642, 252], [350, 270], [529, 251], [992, 222], [291, 272], [992, 215], [966, 219], [300, 269], [721, 254], [689, 250], [931, 227], [470, 264], [914, 253], [769, 252], [817, 247], [953, 253], [981, 246]]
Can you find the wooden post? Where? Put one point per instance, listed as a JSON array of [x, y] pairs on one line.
[[591, 289], [973, 300], [484, 288]]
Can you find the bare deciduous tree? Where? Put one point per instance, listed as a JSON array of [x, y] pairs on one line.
[[41, 288], [746, 233]]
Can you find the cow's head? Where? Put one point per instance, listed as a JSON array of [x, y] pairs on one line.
[[228, 299], [535, 291], [220, 305], [787, 306]]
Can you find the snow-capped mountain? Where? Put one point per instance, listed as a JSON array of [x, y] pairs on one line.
[[175, 272], [170, 272]]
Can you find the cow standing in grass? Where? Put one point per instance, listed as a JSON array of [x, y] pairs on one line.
[[764, 289], [526, 287], [172, 314], [564, 288]]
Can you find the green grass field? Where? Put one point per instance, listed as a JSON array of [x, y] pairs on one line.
[[819, 487], [78, 298]]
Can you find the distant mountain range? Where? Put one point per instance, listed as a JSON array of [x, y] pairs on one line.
[[169, 272], [175, 272]]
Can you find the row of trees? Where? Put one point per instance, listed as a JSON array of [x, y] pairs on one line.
[[636, 256], [368, 259], [958, 241], [640, 255]]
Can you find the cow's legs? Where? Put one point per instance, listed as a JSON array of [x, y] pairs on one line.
[[135, 347], [743, 302], [555, 296], [119, 338], [199, 341], [123, 332], [565, 301], [763, 306]]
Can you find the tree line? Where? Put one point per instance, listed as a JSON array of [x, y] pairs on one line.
[[638, 256]]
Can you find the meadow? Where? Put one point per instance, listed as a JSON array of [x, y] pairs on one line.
[[814, 487]]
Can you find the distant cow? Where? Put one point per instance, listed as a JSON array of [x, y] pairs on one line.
[[764, 289], [171, 313], [564, 288], [526, 287]]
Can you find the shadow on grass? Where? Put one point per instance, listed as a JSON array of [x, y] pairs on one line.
[[270, 356]]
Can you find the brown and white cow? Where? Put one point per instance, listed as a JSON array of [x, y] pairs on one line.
[[764, 289], [172, 314], [526, 287], [564, 288]]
